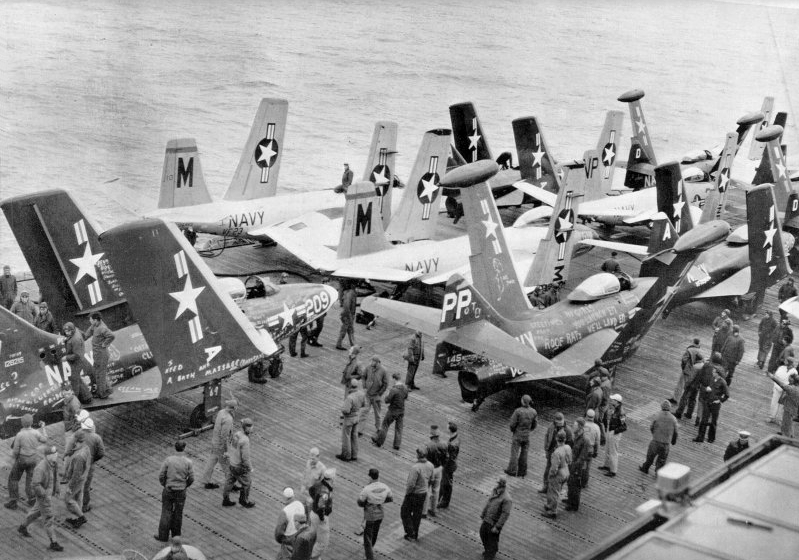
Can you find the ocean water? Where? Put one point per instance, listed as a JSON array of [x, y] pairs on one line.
[[92, 90]]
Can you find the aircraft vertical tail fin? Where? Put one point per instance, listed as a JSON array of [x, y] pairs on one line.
[[779, 171], [182, 180], [607, 147], [716, 200], [193, 328], [257, 173], [756, 148], [671, 198], [462, 304], [417, 215], [361, 226], [493, 272], [62, 248], [663, 235], [641, 150], [767, 254], [536, 165], [763, 172], [380, 165], [553, 256], [468, 136]]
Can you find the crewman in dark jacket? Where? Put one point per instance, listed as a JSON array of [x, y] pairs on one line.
[[712, 394], [581, 451], [74, 349], [44, 319], [348, 304], [450, 466], [437, 455], [396, 411], [176, 475], [732, 352], [494, 515], [701, 380], [766, 331], [522, 422]]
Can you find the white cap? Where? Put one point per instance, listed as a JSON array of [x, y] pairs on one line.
[[87, 424], [83, 415], [616, 397], [288, 493]]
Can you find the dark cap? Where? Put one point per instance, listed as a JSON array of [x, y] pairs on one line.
[[246, 422]]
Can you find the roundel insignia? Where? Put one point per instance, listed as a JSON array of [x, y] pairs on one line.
[[427, 189], [266, 152], [381, 177], [564, 225], [609, 153], [724, 179]]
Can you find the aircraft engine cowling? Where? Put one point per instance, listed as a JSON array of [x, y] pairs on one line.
[[480, 381]]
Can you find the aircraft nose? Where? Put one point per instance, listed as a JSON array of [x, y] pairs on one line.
[[332, 294]]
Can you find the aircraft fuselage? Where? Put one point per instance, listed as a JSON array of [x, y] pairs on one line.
[[614, 210], [238, 218]]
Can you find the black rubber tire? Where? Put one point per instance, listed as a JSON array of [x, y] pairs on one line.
[[275, 367], [256, 373], [197, 417]]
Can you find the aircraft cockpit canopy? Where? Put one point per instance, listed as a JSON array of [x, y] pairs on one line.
[[234, 287], [601, 285], [694, 175], [696, 155], [259, 287]]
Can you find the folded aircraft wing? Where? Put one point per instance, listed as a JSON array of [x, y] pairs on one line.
[[303, 237], [379, 273], [416, 317], [548, 198], [629, 248], [736, 285]]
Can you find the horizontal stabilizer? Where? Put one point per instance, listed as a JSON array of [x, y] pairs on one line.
[[302, 238], [415, 317], [548, 198], [735, 285], [579, 358], [629, 248], [378, 273]]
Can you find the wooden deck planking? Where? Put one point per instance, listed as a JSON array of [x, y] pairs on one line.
[[300, 410]]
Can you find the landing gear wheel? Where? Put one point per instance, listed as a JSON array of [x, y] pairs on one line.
[[197, 417], [275, 367], [256, 373]]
